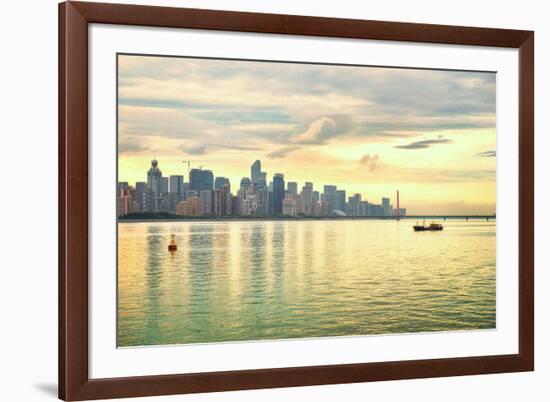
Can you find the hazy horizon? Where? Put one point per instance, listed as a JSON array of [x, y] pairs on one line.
[[430, 134]]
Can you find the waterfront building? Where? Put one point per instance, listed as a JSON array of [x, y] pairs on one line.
[[201, 180], [292, 187], [220, 182], [164, 184], [255, 172], [262, 201], [306, 201], [192, 206], [148, 201], [289, 205], [176, 185], [402, 212], [207, 200], [249, 205], [387, 209], [278, 193], [191, 193], [222, 201], [235, 205], [154, 178], [121, 186], [167, 202], [245, 182], [141, 186], [354, 205], [329, 196], [340, 203], [126, 203], [315, 196]]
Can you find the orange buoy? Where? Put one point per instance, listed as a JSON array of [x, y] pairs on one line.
[[172, 246]]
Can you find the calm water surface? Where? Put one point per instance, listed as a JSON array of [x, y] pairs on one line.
[[250, 280]]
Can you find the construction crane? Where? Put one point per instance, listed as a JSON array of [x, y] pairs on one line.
[[189, 166]]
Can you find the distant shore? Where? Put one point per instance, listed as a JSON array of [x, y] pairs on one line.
[[176, 218]]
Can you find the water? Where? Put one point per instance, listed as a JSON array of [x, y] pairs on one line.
[[253, 280]]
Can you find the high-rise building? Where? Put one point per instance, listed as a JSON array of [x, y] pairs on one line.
[[262, 201], [126, 203], [176, 185], [220, 182], [121, 186], [278, 193], [255, 172], [141, 187], [207, 200], [154, 176], [192, 206], [222, 201], [387, 209], [245, 182], [292, 187], [340, 204], [164, 183], [329, 196], [201, 180], [289, 205], [354, 205]]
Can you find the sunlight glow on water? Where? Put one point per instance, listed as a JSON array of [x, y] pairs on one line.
[[253, 280]]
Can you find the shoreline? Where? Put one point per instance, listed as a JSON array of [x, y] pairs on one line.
[[482, 218]]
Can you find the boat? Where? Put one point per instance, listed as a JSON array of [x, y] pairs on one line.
[[172, 246], [432, 227]]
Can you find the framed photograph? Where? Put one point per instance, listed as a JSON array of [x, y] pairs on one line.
[[259, 200]]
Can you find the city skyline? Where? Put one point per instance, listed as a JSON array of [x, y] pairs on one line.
[[206, 194], [369, 130]]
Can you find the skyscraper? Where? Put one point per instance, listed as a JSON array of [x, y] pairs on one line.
[[164, 185], [387, 209], [141, 187], [329, 197], [154, 176], [245, 182], [292, 187], [340, 200], [278, 193], [201, 180], [220, 182], [207, 200], [222, 201], [256, 171], [176, 185], [354, 205]]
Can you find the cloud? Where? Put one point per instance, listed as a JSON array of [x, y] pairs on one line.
[[131, 145], [282, 152], [194, 148], [487, 154], [424, 144], [372, 162], [200, 148], [318, 132]]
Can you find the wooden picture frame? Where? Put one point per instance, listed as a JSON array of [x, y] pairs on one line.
[[74, 381]]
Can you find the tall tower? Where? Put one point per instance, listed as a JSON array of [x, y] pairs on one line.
[[154, 178], [398, 210], [278, 193], [255, 172]]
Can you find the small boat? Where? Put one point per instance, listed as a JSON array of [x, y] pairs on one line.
[[172, 246], [432, 227]]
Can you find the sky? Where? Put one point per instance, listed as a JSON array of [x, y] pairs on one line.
[[430, 134]]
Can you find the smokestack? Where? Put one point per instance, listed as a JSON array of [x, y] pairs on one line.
[[398, 210]]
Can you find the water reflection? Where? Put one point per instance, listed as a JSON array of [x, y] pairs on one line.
[[285, 279]]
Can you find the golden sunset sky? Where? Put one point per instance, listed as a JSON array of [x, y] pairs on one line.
[[369, 130]]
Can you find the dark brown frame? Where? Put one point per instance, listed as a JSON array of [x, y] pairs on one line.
[[74, 17]]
